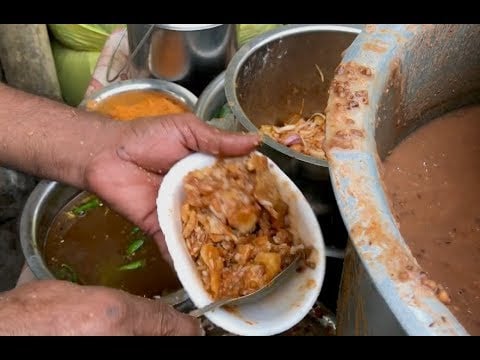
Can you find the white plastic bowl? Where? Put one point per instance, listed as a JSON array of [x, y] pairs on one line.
[[273, 314]]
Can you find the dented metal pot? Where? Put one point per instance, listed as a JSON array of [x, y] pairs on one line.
[[410, 74]]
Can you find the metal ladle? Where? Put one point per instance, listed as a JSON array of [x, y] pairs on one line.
[[255, 296], [181, 295]]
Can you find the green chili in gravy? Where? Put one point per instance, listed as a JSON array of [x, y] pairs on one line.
[[90, 244]]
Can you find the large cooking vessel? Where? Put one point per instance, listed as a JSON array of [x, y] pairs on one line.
[[412, 73]]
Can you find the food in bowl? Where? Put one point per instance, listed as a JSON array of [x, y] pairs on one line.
[[236, 226], [305, 135], [432, 180], [136, 104], [90, 244]]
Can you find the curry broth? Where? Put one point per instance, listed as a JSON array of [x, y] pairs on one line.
[[100, 247], [137, 104]]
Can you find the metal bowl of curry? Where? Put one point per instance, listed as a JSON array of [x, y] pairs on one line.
[[72, 235], [132, 99]]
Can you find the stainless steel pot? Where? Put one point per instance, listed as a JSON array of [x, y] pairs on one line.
[[276, 75], [189, 54], [171, 89]]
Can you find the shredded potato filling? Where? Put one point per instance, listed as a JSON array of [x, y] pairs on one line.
[[236, 226]]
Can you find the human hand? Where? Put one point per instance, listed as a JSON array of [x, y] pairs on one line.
[[128, 174], [53, 307]]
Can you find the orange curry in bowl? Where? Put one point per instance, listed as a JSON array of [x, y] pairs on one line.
[[138, 104]]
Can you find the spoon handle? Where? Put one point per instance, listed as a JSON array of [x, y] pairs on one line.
[[199, 312]]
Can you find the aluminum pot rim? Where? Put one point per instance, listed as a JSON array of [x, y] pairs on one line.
[[244, 54], [170, 88], [363, 203]]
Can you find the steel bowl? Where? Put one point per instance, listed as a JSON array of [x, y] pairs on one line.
[[175, 91], [275, 76], [212, 98], [43, 204]]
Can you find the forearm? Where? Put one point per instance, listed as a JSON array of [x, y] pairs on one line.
[[49, 139]]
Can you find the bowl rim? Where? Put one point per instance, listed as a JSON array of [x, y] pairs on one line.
[[176, 91], [216, 86], [28, 229], [244, 53]]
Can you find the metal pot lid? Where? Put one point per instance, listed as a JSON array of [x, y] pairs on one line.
[[187, 27]]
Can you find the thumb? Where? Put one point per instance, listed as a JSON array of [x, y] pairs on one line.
[[201, 137], [156, 318]]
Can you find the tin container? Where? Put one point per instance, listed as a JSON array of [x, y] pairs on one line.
[[188, 54]]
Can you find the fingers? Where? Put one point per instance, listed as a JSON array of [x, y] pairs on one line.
[[198, 136], [162, 245], [155, 318]]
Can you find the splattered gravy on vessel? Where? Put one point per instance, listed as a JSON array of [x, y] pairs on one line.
[[433, 179]]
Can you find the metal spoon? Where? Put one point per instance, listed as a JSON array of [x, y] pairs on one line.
[[175, 298], [257, 295]]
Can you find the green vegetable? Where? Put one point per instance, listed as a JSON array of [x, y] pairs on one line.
[[74, 71], [91, 204], [135, 230], [223, 112], [67, 273], [246, 32], [133, 265], [82, 37], [134, 246]]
